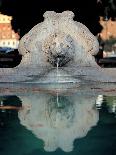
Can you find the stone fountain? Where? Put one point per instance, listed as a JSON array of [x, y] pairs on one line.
[[58, 50]]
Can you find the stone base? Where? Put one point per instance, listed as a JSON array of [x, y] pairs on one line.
[[64, 75]]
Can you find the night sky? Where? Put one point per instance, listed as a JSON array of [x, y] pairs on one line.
[[27, 13]]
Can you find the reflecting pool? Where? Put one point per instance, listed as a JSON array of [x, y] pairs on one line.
[[58, 119]]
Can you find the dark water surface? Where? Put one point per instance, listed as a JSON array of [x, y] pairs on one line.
[[58, 123]]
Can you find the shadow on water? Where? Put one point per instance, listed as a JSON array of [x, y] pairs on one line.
[[47, 122]]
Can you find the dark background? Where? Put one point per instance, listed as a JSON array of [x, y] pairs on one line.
[[27, 13]]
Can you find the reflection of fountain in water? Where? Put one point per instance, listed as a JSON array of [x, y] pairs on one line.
[[99, 101], [1, 103], [57, 100], [60, 111], [109, 101], [58, 120]]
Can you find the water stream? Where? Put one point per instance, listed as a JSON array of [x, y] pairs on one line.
[[57, 76], [57, 67]]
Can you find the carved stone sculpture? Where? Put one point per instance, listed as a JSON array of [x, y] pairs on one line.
[[58, 49], [59, 38]]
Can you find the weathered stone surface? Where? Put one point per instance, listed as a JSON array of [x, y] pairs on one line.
[[58, 47], [58, 36]]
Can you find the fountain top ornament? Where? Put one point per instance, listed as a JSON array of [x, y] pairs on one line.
[[58, 50], [58, 37]]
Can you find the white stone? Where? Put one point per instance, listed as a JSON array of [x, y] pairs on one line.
[[58, 43], [58, 33]]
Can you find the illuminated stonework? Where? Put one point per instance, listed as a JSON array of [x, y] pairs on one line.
[[109, 29], [8, 38]]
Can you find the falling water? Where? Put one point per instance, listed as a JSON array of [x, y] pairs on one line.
[[57, 65]]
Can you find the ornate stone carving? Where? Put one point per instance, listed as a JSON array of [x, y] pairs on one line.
[[58, 36], [58, 49]]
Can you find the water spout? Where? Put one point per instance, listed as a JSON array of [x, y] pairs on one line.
[[57, 65]]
